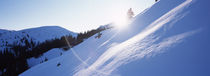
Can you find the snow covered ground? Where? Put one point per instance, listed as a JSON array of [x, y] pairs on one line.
[[53, 53], [167, 25]]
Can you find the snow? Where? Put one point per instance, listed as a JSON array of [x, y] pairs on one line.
[[151, 33], [53, 53], [68, 60], [39, 34], [48, 32]]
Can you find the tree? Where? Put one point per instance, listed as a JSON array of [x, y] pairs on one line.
[[58, 64], [45, 59], [98, 35], [130, 14]]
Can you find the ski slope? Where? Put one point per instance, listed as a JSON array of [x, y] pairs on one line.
[[133, 51]]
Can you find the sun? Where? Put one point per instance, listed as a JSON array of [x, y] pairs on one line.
[[121, 23]]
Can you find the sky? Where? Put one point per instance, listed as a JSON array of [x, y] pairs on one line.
[[75, 15]]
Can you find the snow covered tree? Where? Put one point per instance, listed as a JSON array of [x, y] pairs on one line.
[[130, 14], [98, 35]]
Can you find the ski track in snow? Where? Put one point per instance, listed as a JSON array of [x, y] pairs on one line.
[[140, 46]]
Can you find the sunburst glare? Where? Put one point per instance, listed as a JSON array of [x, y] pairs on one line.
[[122, 22]]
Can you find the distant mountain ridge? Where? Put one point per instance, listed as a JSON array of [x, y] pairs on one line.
[[39, 34]]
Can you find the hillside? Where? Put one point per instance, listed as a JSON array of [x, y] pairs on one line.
[[15, 44], [149, 46], [38, 35], [20, 55]]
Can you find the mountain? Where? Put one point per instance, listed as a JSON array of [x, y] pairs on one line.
[[48, 32], [38, 35], [168, 39], [26, 48], [15, 44]]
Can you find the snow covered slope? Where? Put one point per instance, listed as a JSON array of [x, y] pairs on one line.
[[133, 51], [51, 54], [39, 34]]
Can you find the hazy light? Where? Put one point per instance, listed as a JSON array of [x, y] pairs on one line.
[[121, 23]]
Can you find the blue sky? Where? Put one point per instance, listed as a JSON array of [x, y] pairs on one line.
[[75, 15]]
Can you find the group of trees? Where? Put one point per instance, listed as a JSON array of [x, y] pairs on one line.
[[11, 65], [13, 57], [13, 60]]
